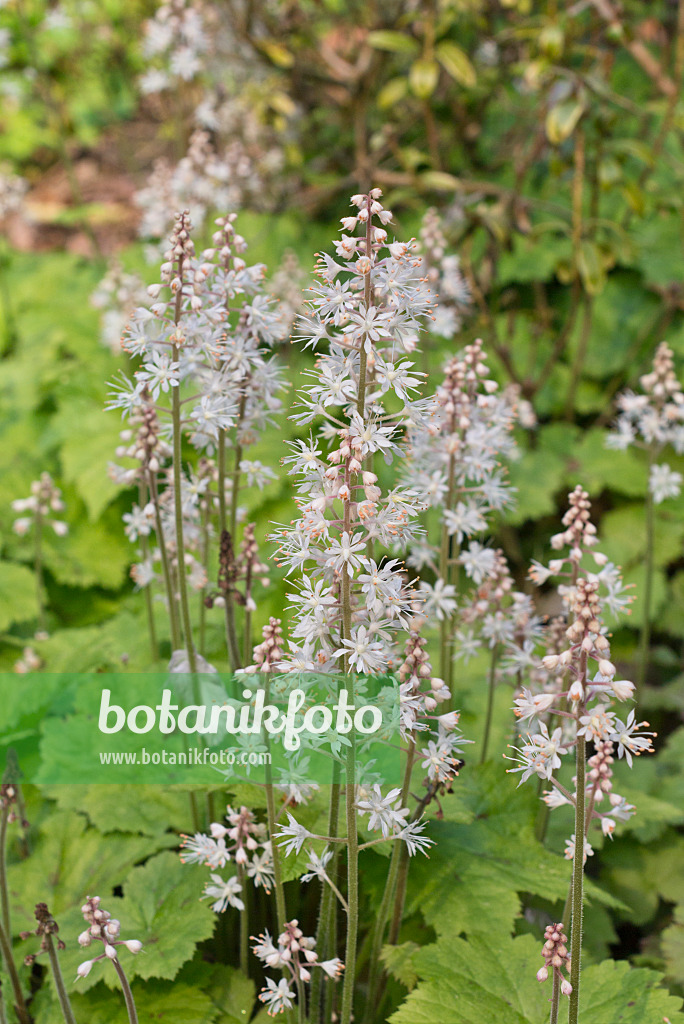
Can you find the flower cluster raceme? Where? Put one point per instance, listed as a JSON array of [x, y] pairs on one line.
[[581, 681], [244, 842], [176, 41], [45, 499], [456, 454], [12, 189], [653, 420], [116, 296], [420, 694], [350, 604], [46, 928], [556, 957], [296, 956], [457, 457], [443, 272], [102, 927], [207, 332]]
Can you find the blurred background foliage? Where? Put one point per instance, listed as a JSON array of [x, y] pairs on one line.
[[548, 135]]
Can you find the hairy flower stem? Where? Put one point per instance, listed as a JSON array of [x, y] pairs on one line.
[[149, 606], [178, 509], [166, 568], [244, 922], [231, 634], [3, 1015], [234, 493], [327, 914], [352, 880], [64, 1003], [375, 974], [21, 1011], [204, 528], [555, 999], [577, 883], [491, 687], [128, 995], [645, 634], [38, 568], [4, 894], [350, 786], [271, 818], [446, 658], [543, 814]]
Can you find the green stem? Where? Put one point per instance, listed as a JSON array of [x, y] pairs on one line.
[[38, 566], [149, 606], [166, 568], [19, 1003], [352, 882], [555, 999], [447, 626], [4, 894], [383, 910], [64, 1003], [577, 883], [645, 633], [128, 995], [325, 933], [202, 642], [491, 687], [178, 509], [244, 922], [271, 818], [231, 634]]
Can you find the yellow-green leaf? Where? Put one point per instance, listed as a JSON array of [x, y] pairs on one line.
[[282, 103], [590, 267], [395, 42], [456, 63], [392, 93], [439, 180], [423, 78], [562, 119], [276, 53]]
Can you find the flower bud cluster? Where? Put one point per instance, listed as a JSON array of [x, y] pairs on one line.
[[653, 420], [443, 272], [44, 500], [116, 296], [47, 927], [420, 691], [102, 927], [579, 533], [176, 40], [556, 957], [242, 841], [269, 653], [295, 954]]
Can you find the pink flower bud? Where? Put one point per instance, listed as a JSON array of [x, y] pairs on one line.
[[566, 987], [84, 938], [110, 951], [133, 945], [622, 688], [606, 668], [83, 970], [576, 691], [542, 973]]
